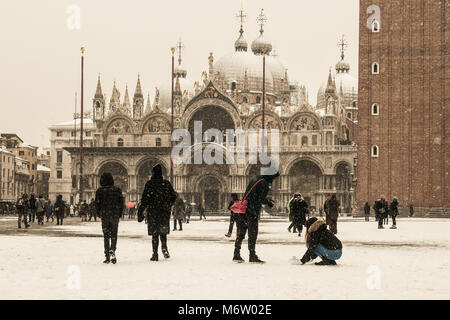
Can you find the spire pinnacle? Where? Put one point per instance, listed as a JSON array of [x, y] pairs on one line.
[[180, 49], [126, 98], [98, 91], [262, 19], [241, 16], [342, 44], [138, 91], [148, 107]]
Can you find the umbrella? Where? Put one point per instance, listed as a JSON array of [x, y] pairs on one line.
[[130, 205]]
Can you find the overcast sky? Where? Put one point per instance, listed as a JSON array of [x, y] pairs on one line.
[[40, 66]]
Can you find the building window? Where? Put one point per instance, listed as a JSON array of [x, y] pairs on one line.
[[48, 153], [32, 166], [158, 142], [375, 26], [375, 109], [59, 133], [304, 141], [314, 140], [233, 86], [375, 152], [120, 142], [59, 156], [21, 153], [375, 68], [73, 133], [258, 99], [88, 133], [58, 174], [349, 115]]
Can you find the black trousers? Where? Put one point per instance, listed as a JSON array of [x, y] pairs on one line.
[[110, 225], [233, 218], [246, 222], [59, 218], [155, 242], [180, 222], [298, 226], [32, 215]]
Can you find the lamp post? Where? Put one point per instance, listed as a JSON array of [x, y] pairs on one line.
[[263, 137], [81, 124], [171, 111]]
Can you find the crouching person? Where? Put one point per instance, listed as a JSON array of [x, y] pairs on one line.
[[321, 242], [109, 206]]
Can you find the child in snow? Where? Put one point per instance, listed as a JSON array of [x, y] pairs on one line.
[[321, 242]]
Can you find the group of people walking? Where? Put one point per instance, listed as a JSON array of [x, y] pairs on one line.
[[384, 210]]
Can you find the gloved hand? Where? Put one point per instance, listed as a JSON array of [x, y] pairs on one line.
[[141, 216]]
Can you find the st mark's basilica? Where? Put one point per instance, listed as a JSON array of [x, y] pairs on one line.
[[316, 156]]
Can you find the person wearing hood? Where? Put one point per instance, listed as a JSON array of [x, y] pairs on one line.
[[393, 211], [256, 195], [322, 243], [109, 205], [157, 200], [332, 212], [298, 209]]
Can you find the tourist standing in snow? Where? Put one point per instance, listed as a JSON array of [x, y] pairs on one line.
[[40, 209], [393, 211], [188, 212], [109, 205], [321, 243], [22, 211], [178, 214], [256, 195], [381, 210], [332, 213], [32, 207], [49, 210], [201, 211], [298, 209], [367, 211], [233, 216], [92, 210], [157, 200], [411, 210], [59, 210]]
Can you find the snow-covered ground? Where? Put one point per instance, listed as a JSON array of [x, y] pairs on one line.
[[412, 262]]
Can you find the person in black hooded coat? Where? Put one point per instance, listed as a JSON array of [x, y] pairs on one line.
[[158, 198], [109, 205]]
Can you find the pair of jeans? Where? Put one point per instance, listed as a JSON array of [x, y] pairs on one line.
[[323, 252]]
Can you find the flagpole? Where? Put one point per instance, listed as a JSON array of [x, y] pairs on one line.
[[81, 125], [171, 112]]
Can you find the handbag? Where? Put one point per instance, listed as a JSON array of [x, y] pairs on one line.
[[240, 206]]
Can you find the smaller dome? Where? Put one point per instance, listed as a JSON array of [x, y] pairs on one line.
[[261, 45], [180, 71], [342, 66], [241, 44]]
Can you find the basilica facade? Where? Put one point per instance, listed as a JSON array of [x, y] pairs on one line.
[[316, 155]]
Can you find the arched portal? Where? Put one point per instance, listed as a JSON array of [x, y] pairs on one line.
[[119, 173], [210, 193], [212, 117], [305, 177], [144, 173]]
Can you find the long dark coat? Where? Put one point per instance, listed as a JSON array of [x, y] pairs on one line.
[[178, 209], [381, 208], [298, 210], [108, 199], [157, 198], [394, 208]]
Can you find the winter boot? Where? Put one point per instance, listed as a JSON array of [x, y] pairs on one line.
[[228, 235], [326, 262], [113, 257], [107, 259], [289, 229], [165, 253], [237, 257], [254, 258], [154, 257], [380, 227], [394, 227], [299, 234]]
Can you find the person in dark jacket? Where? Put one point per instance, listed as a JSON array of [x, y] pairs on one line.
[[233, 216], [381, 207], [393, 211], [321, 242], [249, 221], [158, 198], [32, 207], [332, 213], [109, 204], [411, 210], [298, 209], [40, 209], [22, 211], [59, 210], [92, 210], [178, 214], [201, 211], [367, 211], [188, 212]]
